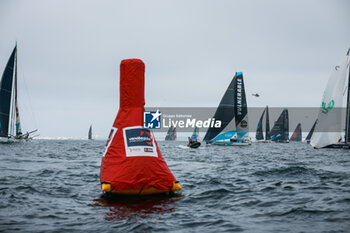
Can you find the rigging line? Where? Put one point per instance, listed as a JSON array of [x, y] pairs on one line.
[[29, 98], [347, 86]]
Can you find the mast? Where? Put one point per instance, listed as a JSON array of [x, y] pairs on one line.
[[286, 125], [17, 118], [267, 126], [347, 119], [12, 122]]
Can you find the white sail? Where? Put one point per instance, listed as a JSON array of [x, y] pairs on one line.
[[328, 129], [18, 121]]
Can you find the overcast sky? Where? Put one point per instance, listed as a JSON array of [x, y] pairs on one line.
[[69, 54]]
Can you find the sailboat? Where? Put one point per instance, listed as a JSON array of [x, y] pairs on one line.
[[280, 130], [90, 133], [193, 140], [171, 134], [328, 132], [10, 124], [309, 135], [259, 136], [297, 135], [233, 114]]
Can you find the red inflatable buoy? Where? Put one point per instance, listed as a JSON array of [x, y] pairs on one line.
[[132, 163]]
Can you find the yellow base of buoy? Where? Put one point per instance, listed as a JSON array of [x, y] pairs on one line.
[[106, 187]]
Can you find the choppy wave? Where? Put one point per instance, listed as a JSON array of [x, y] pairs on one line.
[[53, 186]]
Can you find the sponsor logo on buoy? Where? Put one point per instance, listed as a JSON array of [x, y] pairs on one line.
[[139, 137], [148, 149], [139, 141], [147, 132]]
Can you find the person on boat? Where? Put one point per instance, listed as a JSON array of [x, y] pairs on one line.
[[192, 139]]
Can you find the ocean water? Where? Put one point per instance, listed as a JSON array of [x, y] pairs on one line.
[[53, 186]]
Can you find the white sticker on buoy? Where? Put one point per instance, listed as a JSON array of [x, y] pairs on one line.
[[110, 139], [139, 141]]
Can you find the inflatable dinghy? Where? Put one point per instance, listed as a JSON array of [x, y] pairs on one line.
[[194, 144], [132, 163]]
